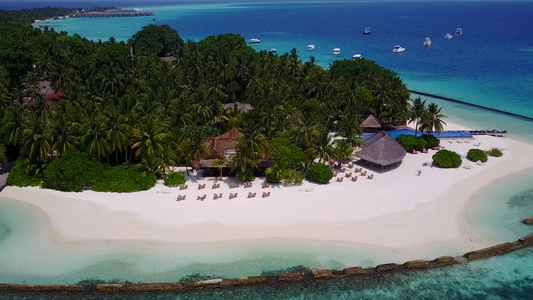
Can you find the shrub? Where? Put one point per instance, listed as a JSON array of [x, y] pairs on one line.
[[292, 177], [410, 142], [447, 159], [122, 180], [495, 152], [73, 172], [320, 173], [431, 140], [273, 175], [21, 176], [476, 154], [175, 179], [245, 176]]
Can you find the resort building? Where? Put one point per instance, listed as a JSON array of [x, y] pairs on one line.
[[382, 150], [220, 146], [243, 107], [371, 124]]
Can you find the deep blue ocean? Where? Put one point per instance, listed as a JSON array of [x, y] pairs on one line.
[[491, 65]]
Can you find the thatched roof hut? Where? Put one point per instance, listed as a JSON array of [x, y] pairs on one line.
[[382, 149], [371, 123]]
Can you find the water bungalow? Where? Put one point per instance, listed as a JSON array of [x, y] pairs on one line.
[[111, 13]]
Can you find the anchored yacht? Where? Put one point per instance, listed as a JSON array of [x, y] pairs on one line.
[[336, 51], [427, 42], [448, 36], [255, 41], [458, 32], [398, 49], [310, 47]]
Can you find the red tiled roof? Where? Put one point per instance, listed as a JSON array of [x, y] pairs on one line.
[[220, 144]]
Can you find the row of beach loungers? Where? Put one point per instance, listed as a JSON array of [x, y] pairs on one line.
[[220, 196], [466, 142], [231, 186], [349, 175], [494, 132], [216, 196]]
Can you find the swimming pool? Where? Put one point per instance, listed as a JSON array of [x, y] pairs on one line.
[[440, 135]]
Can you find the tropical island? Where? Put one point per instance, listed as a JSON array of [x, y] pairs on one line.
[[184, 135]]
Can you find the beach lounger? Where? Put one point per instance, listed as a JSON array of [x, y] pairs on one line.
[[424, 150], [371, 176], [414, 151]]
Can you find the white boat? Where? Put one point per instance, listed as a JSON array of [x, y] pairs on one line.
[[367, 30], [336, 51], [254, 41], [427, 42], [310, 47], [357, 56], [398, 49], [458, 31], [272, 50], [448, 36]]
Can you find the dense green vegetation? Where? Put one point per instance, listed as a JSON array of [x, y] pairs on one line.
[[431, 140], [447, 159], [411, 142], [495, 152], [175, 179], [147, 114], [73, 172], [21, 176], [320, 173], [476, 155], [122, 180]]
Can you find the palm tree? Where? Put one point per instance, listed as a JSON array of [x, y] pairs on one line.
[[253, 138], [343, 150], [3, 157], [64, 135], [12, 124], [416, 111], [244, 161], [37, 142], [195, 148], [323, 146], [94, 137], [432, 119], [148, 141], [118, 134], [220, 163]]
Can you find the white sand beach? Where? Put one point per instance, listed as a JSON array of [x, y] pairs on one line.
[[397, 210]]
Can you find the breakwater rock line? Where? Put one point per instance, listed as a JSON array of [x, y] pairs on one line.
[[514, 115], [274, 280]]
